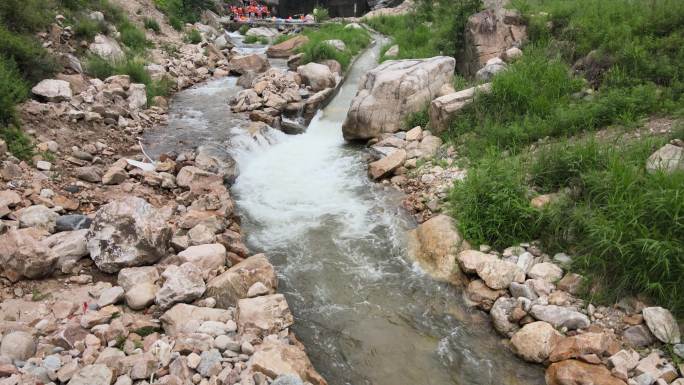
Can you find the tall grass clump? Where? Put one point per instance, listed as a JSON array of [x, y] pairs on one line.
[[24, 16], [193, 36], [86, 28], [152, 25], [184, 11], [435, 28], [133, 37], [492, 203], [14, 90], [317, 50]]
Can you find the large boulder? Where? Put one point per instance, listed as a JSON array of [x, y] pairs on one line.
[[127, 233], [662, 324], [255, 62], [23, 255], [392, 91], [317, 76], [264, 315], [573, 372], [287, 48], [444, 109], [106, 48], [263, 32], [18, 346], [535, 341], [274, 358], [489, 34], [434, 244], [52, 90], [234, 284], [668, 158]]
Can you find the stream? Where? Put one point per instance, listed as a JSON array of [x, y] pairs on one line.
[[366, 313]]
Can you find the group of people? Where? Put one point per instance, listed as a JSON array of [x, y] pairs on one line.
[[249, 9]]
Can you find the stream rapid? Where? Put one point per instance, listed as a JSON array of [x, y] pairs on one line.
[[366, 313]]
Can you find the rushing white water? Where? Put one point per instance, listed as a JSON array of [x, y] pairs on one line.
[[366, 313]]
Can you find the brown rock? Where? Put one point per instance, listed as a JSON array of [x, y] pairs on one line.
[[385, 166], [535, 341], [587, 343], [573, 372], [286, 48], [264, 315], [234, 284], [434, 245], [481, 294], [274, 358]]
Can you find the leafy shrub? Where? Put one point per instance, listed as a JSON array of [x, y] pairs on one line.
[[98, 67], [86, 28], [321, 14], [133, 37], [152, 24], [243, 29], [24, 16], [187, 11], [14, 90], [194, 36], [17, 142], [32, 60]]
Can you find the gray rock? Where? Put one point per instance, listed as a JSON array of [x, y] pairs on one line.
[[210, 363], [110, 296], [662, 324], [183, 284], [18, 346], [92, 375], [288, 379], [217, 160], [69, 247], [53, 90], [500, 312], [668, 158], [639, 336], [522, 290], [72, 222], [128, 233], [38, 216], [559, 316], [106, 48], [90, 174], [493, 67]]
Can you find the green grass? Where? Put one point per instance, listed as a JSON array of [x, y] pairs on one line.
[[193, 36], [14, 90], [256, 39], [435, 29], [133, 37], [321, 14], [533, 135], [32, 60], [184, 11], [243, 29], [152, 25], [316, 50], [86, 28]]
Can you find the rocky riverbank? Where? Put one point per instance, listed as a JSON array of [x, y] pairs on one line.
[[118, 269], [530, 295]]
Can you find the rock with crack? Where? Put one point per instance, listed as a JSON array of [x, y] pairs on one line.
[[275, 358], [127, 233], [233, 285], [183, 284], [391, 92], [69, 247], [264, 315]]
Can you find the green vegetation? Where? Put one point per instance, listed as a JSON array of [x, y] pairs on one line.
[[590, 64], [86, 28], [254, 40], [321, 14], [133, 67], [193, 36], [183, 11], [435, 29], [243, 29], [152, 24], [317, 50], [133, 37]]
